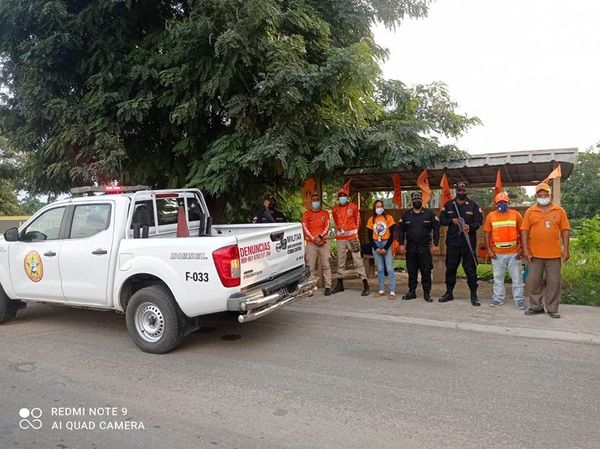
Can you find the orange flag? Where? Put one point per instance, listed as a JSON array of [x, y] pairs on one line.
[[347, 186], [446, 192], [556, 173], [423, 183], [308, 188], [397, 200], [498, 186]]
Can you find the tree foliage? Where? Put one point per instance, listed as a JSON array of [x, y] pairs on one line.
[[226, 95], [9, 205], [485, 196], [580, 194]]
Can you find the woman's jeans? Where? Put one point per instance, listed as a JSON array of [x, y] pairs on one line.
[[382, 263]]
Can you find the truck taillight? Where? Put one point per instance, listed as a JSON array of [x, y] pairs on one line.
[[227, 261]]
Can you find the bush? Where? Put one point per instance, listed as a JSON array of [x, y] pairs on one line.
[[581, 274]]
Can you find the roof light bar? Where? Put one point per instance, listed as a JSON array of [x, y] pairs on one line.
[[91, 190]]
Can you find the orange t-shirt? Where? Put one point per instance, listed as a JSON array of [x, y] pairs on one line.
[[381, 227], [315, 224], [544, 230], [504, 228]]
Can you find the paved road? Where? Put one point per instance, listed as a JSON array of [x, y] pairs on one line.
[[297, 380]]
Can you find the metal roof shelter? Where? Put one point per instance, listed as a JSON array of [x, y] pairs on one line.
[[521, 168]]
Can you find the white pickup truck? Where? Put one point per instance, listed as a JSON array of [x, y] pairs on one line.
[[121, 252]]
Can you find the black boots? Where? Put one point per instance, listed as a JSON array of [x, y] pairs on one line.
[[411, 294], [474, 300], [427, 296], [328, 291], [366, 290], [339, 287], [448, 296]]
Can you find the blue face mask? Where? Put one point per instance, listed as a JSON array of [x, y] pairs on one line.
[[316, 204], [343, 200], [502, 207]]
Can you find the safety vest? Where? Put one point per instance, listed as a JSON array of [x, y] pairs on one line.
[[504, 232]]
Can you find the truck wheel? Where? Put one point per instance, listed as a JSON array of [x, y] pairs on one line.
[[8, 307], [153, 320]]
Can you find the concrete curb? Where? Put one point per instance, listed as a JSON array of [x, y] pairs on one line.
[[546, 334]]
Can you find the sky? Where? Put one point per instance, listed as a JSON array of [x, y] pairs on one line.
[[529, 69]]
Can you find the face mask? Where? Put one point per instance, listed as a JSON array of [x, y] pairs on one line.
[[379, 210], [271, 206], [543, 201], [316, 204], [343, 200], [502, 207], [461, 196], [417, 204]]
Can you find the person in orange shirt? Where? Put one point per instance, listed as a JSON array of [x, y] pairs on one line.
[[382, 236], [502, 240], [544, 227], [315, 223], [347, 221]]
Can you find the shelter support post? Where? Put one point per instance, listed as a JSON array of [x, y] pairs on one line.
[[556, 188]]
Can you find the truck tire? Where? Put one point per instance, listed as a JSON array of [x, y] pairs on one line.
[[153, 320], [8, 307]]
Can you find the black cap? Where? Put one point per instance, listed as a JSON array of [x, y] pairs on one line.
[[459, 184], [416, 196]]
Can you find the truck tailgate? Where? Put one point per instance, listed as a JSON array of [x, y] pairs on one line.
[[267, 251]]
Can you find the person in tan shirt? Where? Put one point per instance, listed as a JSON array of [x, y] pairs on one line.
[[545, 226]]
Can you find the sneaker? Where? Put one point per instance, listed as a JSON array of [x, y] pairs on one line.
[[392, 296], [520, 305], [497, 303], [381, 293], [554, 314]]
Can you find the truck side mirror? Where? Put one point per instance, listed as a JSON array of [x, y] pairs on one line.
[[11, 235]]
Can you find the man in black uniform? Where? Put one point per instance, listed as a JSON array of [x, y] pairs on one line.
[[457, 250], [269, 213], [416, 227]]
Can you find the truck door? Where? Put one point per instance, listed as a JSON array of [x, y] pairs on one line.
[[86, 253], [33, 259]]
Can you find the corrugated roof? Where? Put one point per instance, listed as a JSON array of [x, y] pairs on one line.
[[521, 168]]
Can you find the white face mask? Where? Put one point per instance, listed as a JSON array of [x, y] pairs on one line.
[[379, 210], [543, 201]]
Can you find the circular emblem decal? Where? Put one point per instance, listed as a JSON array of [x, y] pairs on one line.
[[33, 266], [380, 228]]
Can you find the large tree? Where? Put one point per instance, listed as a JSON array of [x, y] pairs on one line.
[[9, 205], [581, 192], [226, 95]]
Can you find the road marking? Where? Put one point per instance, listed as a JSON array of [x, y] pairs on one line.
[[545, 334]]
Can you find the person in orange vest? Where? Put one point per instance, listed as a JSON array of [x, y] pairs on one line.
[[545, 225], [347, 222], [503, 242], [315, 223]]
